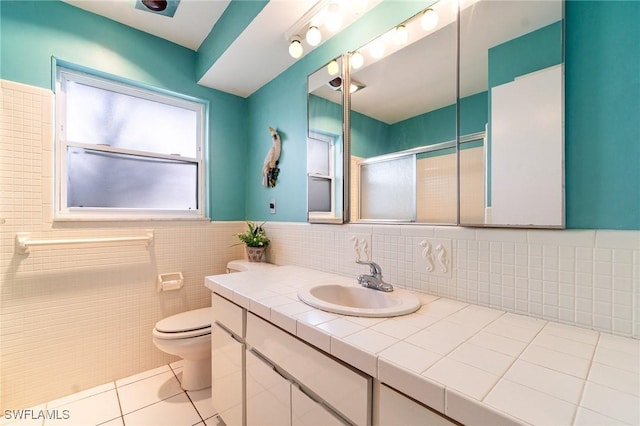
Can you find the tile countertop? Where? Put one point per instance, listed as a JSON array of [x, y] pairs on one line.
[[475, 364]]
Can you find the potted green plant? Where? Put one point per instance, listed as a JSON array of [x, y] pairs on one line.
[[255, 240]]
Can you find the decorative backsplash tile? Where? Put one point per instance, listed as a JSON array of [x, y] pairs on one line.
[[589, 278]]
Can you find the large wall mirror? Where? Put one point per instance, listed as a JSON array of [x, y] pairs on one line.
[[455, 117], [511, 113], [403, 122], [326, 143]]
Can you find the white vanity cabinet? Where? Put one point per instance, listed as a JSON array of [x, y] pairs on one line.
[[345, 390], [307, 412], [394, 408], [227, 361], [268, 394]]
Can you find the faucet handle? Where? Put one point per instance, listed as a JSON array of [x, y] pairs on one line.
[[373, 266]]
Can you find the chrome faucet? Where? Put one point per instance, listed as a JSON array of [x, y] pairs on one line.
[[374, 280]]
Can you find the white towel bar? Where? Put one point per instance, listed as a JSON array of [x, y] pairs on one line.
[[23, 242]]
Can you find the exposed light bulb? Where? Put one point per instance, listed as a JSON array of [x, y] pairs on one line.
[[295, 48], [358, 6], [356, 60], [400, 35], [313, 36], [353, 88], [376, 49], [429, 19], [333, 68], [333, 17]]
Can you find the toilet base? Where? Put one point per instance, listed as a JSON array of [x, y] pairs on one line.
[[196, 374]]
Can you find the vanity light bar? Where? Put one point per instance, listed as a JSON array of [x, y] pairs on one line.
[[324, 19]]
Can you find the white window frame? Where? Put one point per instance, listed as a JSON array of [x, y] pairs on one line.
[[330, 141], [62, 211]]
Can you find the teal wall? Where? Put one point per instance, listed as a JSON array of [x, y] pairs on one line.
[[325, 117], [531, 52], [282, 103], [602, 114], [602, 98], [31, 32]]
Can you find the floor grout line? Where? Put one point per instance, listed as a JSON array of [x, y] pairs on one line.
[[119, 400]]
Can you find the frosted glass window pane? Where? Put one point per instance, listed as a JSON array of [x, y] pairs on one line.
[[101, 179], [319, 194], [99, 116], [387, 189], [318, 157]]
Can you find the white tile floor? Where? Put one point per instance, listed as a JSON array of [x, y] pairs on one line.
[[151, 398]]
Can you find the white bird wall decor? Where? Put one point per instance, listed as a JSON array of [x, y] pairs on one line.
[[270, 168]]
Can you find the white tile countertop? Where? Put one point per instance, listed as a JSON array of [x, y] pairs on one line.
[[476, 365]]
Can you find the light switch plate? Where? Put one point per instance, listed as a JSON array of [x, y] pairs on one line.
[[433, 256]]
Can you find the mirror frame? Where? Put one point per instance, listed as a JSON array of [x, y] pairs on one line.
[[343, 215]]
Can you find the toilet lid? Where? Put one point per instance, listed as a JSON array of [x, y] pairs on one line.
[[196, 319]]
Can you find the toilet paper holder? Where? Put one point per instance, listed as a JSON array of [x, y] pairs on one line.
[[170, 281]]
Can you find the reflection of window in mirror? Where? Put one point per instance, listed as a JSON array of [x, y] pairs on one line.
[[321, 161]]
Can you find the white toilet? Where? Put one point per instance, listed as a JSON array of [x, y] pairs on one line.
[[188, 335]]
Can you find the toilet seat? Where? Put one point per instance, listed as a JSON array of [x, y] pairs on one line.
[[185, 325]]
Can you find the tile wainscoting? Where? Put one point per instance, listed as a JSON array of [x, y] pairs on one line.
[[80, 316]]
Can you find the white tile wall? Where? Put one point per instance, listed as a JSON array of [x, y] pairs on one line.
[[73, 318], [589, 278]]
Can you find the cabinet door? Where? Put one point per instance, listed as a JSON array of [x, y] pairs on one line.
[[307, 412], [268, 394], [227, 359], [396, 409]]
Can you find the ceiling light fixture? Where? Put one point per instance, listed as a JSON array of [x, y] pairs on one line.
[[336, 84], [333, 68], [400, 35], [358, 6], [429, 19], [323, 19], [376, 49], [158, 7], [356, 60], [333, 17], [155, 5], [295, 47], [313, 36]]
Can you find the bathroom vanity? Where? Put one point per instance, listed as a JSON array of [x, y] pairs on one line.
[[279, 361]]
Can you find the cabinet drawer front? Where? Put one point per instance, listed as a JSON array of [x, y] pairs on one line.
[[228, 314], [307, 412], [227, 380], [341, 387], [395, 408], [268, 394]]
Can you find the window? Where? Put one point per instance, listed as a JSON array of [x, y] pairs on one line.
[[321, 159], [126, 152]]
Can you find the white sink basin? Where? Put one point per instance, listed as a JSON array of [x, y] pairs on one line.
[[359, 301]]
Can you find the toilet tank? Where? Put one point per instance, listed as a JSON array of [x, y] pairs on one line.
[[244, 265]]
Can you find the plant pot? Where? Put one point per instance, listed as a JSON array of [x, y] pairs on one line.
[[255, 254]]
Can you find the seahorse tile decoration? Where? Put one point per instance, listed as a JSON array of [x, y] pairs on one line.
[[361, 247], [433, 256]]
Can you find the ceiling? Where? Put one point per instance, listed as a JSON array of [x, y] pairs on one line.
[[242, 68]]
